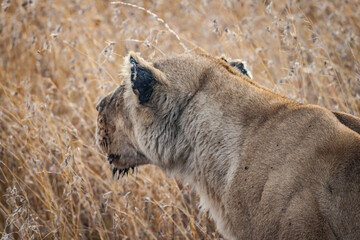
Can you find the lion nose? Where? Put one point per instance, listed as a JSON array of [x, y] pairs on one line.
[[100, 105]]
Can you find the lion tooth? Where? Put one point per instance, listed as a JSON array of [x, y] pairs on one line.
[[114, 171], [120, 170], [125, 171]]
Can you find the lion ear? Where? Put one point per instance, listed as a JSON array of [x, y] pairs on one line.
[[240, 66], [143, 77]]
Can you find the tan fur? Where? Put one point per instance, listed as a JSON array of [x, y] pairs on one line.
[[265, 166]]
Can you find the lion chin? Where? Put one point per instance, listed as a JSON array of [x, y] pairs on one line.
[[118, 168]]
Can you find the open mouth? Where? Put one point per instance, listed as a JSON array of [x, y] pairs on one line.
[[113, 158]]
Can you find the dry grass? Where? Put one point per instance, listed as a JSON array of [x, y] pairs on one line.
[[57, 58]]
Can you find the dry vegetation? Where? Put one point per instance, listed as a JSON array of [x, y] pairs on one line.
[[57, 58]]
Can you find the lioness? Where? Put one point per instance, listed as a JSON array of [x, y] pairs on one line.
[[265, 166]]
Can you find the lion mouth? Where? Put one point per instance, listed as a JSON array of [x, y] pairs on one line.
[[113, 158]]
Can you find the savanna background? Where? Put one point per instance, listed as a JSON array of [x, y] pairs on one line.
[[58, 58]]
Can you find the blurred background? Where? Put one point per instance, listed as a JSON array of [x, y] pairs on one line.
[[58, 58]]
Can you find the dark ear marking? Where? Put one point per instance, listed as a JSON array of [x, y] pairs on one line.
[[142, 80], [241, 67]]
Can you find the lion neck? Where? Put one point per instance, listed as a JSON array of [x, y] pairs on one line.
[[200, 145]]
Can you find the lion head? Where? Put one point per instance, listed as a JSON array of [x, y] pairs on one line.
[[113, 130], [149, 91]]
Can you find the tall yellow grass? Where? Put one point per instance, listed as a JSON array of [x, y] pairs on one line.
[[58, 58]]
